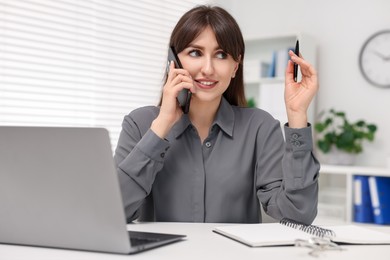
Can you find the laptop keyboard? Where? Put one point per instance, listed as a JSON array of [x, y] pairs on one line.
[[139, 239], [136, 241], [143, 238]]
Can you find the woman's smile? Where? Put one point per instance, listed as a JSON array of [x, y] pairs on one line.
[[205, 83]]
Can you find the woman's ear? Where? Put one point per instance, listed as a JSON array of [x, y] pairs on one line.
[[237, 64]]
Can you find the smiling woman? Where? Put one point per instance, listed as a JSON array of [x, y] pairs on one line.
[[221, 161], [82, 63], [210, 67]]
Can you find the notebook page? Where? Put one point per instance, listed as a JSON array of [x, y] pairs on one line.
[[353, 234], [270, 234]]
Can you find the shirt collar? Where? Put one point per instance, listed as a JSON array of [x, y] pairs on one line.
[[224, 119]]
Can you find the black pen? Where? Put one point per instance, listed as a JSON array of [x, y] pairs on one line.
[[296, 51]]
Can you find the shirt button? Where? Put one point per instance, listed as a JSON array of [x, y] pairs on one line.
[[208, 144], [162, 155]]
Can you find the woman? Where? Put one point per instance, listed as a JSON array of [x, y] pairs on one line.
[[220, 161]]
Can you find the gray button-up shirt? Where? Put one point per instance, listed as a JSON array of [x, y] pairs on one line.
[[243, 161]]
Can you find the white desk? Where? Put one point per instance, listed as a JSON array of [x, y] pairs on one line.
[[201, 243]]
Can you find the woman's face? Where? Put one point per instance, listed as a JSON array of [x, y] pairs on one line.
[[209, 66]]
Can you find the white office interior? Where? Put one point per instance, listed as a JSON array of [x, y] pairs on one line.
[[89, 63], [339, 30]]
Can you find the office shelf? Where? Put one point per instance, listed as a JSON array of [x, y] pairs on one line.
[[268, 92], [336, 189]]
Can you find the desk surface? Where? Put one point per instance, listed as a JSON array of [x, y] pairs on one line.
[[201, 243]]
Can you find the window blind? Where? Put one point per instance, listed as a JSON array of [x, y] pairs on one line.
[[83, 63]]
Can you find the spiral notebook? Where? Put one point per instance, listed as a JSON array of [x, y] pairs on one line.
[[287, 231]]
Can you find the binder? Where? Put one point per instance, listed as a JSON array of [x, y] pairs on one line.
[[272, 67], [362, 208], [380, 199]]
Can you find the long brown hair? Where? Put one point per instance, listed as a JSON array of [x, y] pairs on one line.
[[229, 38]]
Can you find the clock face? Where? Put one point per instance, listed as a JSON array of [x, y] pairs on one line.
[[374, 59]]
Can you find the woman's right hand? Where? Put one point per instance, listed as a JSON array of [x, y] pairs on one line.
[[170, 111]]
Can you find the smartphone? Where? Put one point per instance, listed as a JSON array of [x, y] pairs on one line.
[[184, 96]]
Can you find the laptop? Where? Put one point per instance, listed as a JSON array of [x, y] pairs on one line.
[[59, 188]]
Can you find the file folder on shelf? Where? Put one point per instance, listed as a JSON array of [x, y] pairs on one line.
[[362, 208], [380, 199]]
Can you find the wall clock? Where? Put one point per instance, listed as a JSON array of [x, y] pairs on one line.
[[374, 59]]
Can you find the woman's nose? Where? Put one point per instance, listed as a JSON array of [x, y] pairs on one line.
[[207, 66]]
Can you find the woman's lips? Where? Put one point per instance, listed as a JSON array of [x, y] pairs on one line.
[[206, 84]]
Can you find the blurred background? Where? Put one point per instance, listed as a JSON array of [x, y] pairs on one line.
[[89, 63]]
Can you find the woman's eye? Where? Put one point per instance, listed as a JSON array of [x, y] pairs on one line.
[[194, 53], [221, 55]]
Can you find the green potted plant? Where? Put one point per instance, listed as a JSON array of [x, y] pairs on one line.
[[251, 102], [337, 133]]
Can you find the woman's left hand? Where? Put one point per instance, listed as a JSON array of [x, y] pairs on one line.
[[298, 95]]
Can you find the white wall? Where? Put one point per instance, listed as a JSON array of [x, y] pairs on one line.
[[340, 27]]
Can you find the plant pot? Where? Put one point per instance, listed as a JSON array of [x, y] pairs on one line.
[[339, 157]]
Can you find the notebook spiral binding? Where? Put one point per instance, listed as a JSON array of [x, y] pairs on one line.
[[310, 229]]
